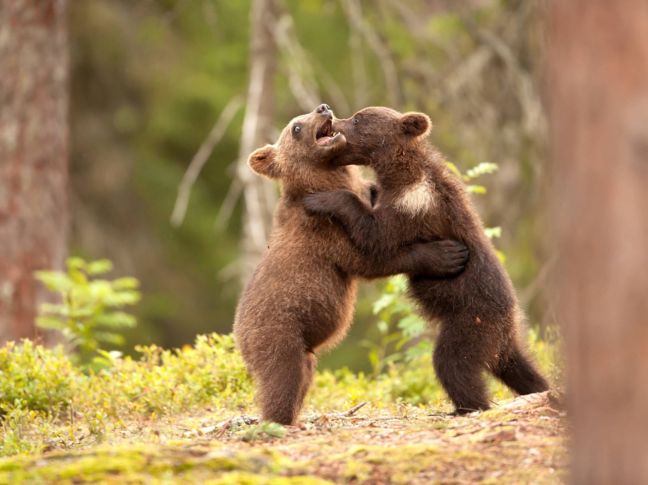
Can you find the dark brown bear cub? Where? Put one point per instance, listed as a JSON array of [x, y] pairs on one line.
[[420, 199], [301, 297]]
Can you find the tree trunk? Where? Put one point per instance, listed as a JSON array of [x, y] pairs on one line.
[[33, 155], [259, 194], [598, 103]]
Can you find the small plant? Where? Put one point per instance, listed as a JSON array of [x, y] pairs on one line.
[[89, 313], [399, 326], [12, 438], [262, 431]]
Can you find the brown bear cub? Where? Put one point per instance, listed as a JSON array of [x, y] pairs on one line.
[[301, 297], [420, 199]]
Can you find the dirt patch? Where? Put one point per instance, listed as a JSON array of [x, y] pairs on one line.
[[520, 441]]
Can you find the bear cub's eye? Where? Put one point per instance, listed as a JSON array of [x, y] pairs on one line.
[[356, 121], [297, 129]]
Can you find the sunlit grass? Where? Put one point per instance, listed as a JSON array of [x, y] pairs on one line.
[[48, 403]]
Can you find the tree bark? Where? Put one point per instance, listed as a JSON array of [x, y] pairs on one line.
[[598, 104], [33, 155], [259, 194]]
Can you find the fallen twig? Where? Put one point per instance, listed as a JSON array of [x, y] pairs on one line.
[[355, 409]]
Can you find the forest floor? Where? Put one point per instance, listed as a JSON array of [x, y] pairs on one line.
[[518, 441]]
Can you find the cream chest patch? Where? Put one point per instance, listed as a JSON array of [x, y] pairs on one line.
[[416, 199]]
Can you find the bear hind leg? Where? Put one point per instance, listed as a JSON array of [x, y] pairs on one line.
[[283, 384], [310, 364], [518, 372], [460, 374]]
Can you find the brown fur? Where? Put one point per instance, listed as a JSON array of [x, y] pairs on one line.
[[478, 310], [301, 297]]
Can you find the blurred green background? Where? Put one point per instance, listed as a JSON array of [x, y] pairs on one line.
[[150, 78]]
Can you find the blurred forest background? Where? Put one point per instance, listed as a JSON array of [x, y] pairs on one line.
[[150, 80]]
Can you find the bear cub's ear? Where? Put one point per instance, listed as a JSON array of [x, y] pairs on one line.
[[415, 124], [264, 161]]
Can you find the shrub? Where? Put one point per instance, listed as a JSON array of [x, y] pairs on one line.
[[167, 381], [33, 377]]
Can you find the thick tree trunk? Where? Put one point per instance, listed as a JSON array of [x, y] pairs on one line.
[[259, 194], [598, 100], [33, 155]]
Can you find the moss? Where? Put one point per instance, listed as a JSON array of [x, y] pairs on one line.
[[244, 478], [133, 461]]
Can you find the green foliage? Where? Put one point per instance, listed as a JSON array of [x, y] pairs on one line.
[[89, 313], [45, 399], [163, 382], [35, 378], [15, 421], [36, 384], [399, 326]]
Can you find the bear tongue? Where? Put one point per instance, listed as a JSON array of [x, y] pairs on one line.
[[327, 139], [324, 140]]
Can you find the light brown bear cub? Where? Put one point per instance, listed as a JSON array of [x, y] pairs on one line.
[[301, 297], [420, 198]]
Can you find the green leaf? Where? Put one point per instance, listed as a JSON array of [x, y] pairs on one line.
[[412, 326], [127, 283], [493, 232], [116, 319], [100, 290], [100, 266], [78, 277], [476, 189], [453, 168], [383, 302], [479, 170], [49, 322], [54, 280], [422, 348], [75, 263], [109, 337], [121, 298], [398, 284]]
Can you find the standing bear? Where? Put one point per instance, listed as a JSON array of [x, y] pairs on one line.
[[301, 297], [421, 199]]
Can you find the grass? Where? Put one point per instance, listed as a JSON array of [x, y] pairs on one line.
[[178, 416]]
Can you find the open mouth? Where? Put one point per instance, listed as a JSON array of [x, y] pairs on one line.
[[325, 134]]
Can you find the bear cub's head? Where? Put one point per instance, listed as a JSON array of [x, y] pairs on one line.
[[305, 146], [378, 134]]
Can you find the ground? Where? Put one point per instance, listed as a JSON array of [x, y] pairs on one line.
[[518, 441]]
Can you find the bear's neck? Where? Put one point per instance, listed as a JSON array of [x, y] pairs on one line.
[[318, 181], [400, 168]]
